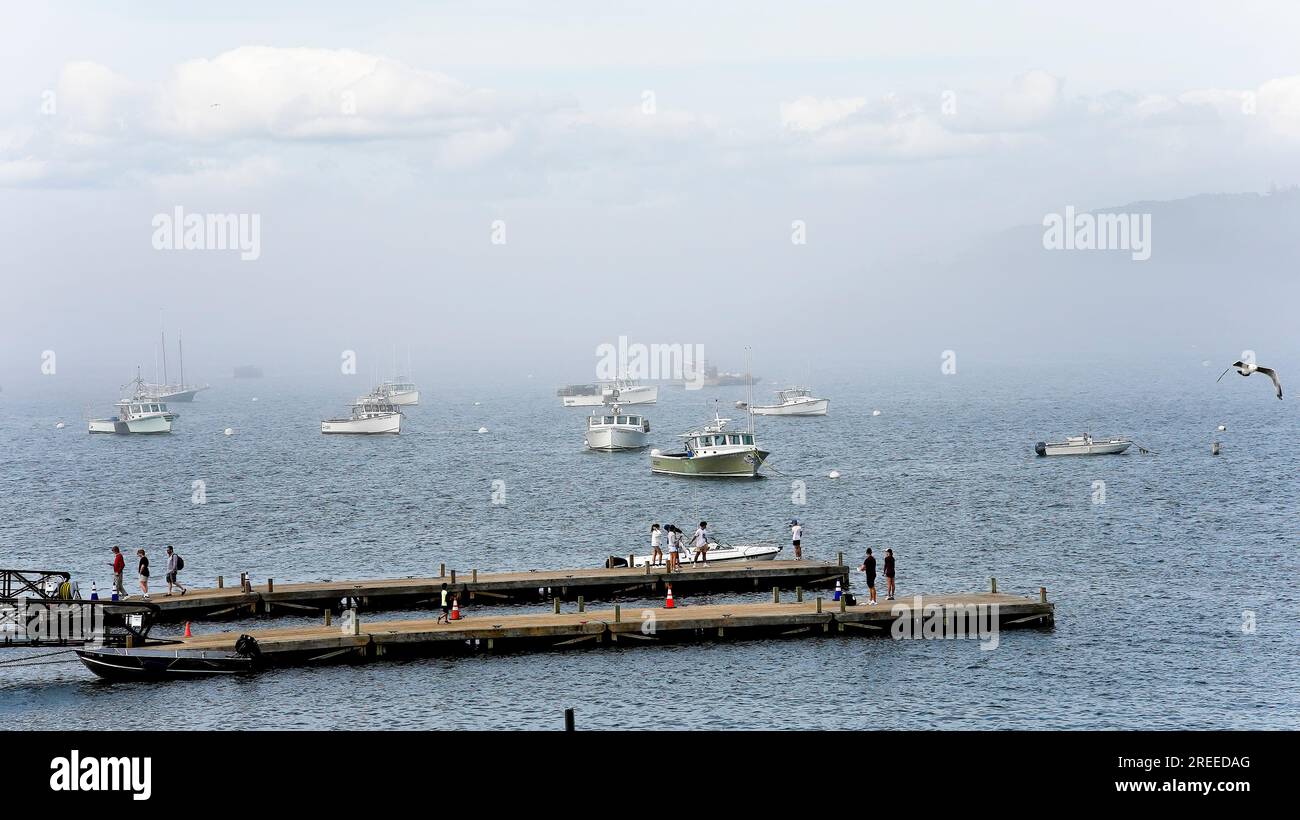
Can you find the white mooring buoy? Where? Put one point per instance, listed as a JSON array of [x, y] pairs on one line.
[[230, 431], [833, 474], [482, 429], [875, 412], [58, 426]]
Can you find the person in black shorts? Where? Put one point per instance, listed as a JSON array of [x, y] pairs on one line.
[[144, 573], [446, 606], [889, 575], [869, 567]]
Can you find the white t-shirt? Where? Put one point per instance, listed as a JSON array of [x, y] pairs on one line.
[[674, 542], [796, 532], [654, 539], [700, 538]]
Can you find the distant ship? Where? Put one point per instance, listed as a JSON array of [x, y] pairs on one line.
[[714, 378], [166, 390], [248, 371]]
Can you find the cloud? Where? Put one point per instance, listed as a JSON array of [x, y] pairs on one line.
[[813, 114]]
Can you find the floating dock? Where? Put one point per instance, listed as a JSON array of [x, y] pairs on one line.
[[271, 598], [357, 639]]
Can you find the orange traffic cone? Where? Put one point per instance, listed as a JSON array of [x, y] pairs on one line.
[[455, 609], [187, 630], [668, 603]]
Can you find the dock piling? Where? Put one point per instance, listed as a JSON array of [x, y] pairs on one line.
[[993, 582], [776, 595], [798, 594], [328, 617], [582, 605], [1042, 595], [221, 582], [453, 577], [839, 562], [568, 720], [270, 585], [442, 570], [475, 576], [555, 602], [618, 614], [819, 604]]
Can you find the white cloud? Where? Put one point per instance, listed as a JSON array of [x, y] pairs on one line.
[[813, 114]]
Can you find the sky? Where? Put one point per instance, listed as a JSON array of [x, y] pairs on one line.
[[500, 188]]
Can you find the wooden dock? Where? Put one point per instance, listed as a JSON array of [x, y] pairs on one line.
[[272, 598], [359, 639]]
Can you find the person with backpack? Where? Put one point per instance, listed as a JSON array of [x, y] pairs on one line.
[[175, 563]]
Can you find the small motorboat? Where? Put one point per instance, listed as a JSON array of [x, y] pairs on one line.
[[139, 414], [718, 554], [372, 414], [161, 663], [713, 451], [1084, 445]]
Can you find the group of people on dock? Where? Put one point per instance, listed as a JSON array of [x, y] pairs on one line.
[[869, 568], [671, 537], [175, 563]]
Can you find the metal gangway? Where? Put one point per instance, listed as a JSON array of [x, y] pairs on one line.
[[41, 607]]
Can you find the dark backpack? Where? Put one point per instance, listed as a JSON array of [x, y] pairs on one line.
[[180, 562]]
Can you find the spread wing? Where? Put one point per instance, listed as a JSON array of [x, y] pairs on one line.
[[1272, 374]]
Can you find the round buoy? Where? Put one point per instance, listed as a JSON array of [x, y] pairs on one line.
[[230, 431], [875, 412], [477, 403], [1205, 363], [654, 452], [482, 429], [1223, 427], [833, 474], [58, 426]]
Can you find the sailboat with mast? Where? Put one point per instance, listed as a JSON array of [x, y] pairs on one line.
[[166, 390]]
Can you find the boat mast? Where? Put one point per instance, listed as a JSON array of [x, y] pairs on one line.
[[162, 332]]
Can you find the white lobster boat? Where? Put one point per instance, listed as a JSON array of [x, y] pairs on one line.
[[612, 429], [400, 393], [623, 392], [137, 415], [717, 554], [370, 415], [796, 401], [1084, 445]]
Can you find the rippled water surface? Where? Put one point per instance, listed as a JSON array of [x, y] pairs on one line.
[[1152, 586]]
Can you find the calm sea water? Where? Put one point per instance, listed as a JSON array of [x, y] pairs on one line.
[[1152, 586]]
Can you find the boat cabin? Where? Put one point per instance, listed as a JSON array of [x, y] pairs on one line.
[[140, 407], [706, 442], [794, 393], [619, 420]]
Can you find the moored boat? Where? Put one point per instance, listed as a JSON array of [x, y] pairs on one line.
[[400, 393], [795, 401], [139, 414], [612, 429], [592, 395], [713, 452], [114, 663], [371, 414], [1084, 445], [717, 554]]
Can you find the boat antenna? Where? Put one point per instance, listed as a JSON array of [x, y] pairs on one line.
[[180, 351]]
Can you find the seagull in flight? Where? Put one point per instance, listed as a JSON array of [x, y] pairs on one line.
[[1246, 369]]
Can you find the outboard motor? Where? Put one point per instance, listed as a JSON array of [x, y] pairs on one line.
[[614, 562], [1041, 448], [247, 647]]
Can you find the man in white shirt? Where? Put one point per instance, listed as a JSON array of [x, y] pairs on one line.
[[796, 537], [700, 540]]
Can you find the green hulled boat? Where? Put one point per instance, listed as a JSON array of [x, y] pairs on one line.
[[713, 452]]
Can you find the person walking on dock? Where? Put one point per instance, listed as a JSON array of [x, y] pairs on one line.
[[869, 567], [796, 538], [119, 567], [656, 554], [889, 575], [701, 543], [144, 573], [446, 606], [175, 564]]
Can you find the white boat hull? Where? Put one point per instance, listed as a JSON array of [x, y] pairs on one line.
[[816, 407], [641, 394], [387, 423], [617, 438], [1096, 448], [583, 401], [407, 398], [718, 554], [146, 425]]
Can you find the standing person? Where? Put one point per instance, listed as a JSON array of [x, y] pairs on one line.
[[446, 607], [889, 575], [674, 548], [700, 540], [175, 564], [869, 567], [796, 537], [144, 573], [119, 567], [657, 554]]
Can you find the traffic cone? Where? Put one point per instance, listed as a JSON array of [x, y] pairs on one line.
[[187, 630], [94, 593], [838, 591], [668, 602], [455, 609]]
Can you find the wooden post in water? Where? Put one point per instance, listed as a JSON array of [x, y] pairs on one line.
[[453, 576], [1042, 595], [221, 581], [993, 582], [328, 616], [270, 585], [475, 576], [442, 570], [618, 614], [839, 562], [798, 594], [568, 720], [776, 595], [630, 559], [819, 604], [582, 605], [842, 605], [556, 604]]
